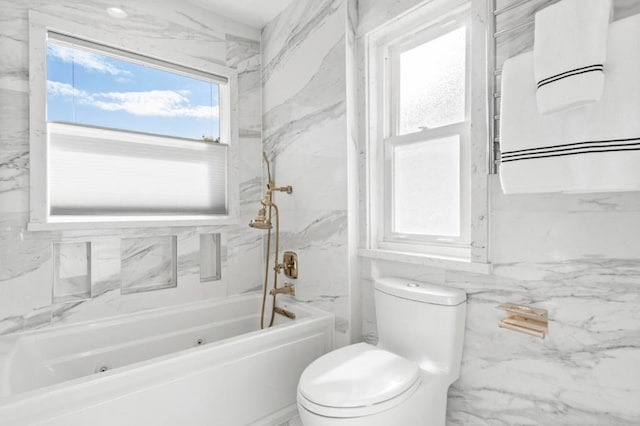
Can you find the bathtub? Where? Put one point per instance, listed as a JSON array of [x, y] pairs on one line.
[[199, 364]]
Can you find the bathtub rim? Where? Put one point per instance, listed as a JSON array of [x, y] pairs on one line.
[[59, 328]]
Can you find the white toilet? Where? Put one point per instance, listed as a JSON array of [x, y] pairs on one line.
[[403, 380]]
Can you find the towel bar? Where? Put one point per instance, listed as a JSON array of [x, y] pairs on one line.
[[513, 28], [510, 7], [518, 4]]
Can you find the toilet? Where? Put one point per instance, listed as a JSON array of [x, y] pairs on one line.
[[403, 380]]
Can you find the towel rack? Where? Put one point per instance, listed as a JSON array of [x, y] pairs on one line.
[[514, 5], [493, 148], [496, 69]]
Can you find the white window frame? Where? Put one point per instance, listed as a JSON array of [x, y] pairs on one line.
[[426, 22], [391, 138], [40, 26]]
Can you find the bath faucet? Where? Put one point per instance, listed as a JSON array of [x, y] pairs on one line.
[[287, 289]]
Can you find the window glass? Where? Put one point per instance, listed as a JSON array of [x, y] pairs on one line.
[[426, 187], [90, 88], [432, 83]]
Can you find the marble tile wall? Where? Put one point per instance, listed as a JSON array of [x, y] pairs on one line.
[[305, 83], [26, 261], [576, 255]]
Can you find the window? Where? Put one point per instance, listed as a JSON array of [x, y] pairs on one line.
[[126, 138], [420, 134], [93, 85]]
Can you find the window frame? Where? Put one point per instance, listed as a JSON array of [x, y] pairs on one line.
[[40, 25], [427, 22], [392, 138]]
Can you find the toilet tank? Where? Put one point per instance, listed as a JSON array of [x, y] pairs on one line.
[[422, 322]]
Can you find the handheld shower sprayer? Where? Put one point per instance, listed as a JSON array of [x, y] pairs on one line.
[[266, 160]]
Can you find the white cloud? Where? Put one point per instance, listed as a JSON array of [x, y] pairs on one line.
[[158, 103], [57, 88], [154, 103], [84, 59]]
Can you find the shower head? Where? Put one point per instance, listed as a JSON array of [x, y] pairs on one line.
[[261, 221]]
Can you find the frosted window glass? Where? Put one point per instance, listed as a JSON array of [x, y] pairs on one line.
[[432, 83], [426, 187]]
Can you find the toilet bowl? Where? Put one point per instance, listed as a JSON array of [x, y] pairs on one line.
[[404, 379]]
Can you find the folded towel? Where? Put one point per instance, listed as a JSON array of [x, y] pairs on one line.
[[570, 48], [591, 149]]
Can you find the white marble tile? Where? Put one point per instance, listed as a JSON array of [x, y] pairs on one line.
[[26, 270], [553, 237], [322, 282], [246, 274], [302, 28], [295, 421], [14, 157], [320, 99], [148, 264], [244, 55]]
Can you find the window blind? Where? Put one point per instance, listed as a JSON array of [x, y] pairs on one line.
[[102, 172]]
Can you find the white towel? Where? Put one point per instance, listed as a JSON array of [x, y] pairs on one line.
[[591, 149], [570, 49]]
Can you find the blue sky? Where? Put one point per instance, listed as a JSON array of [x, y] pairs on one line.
[[87, 88]]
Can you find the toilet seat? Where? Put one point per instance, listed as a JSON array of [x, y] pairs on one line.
[[357, 380]]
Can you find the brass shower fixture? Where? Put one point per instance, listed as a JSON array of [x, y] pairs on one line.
[[290, 264], [268, 211], [287, 289], [261, 221]]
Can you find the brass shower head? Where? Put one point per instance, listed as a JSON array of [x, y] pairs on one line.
[[261, 221]]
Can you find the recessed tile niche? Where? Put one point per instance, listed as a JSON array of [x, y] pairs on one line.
[[71, 271], [148, 263], [209, 257]]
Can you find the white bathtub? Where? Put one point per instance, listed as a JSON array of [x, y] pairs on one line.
[[198, 364]]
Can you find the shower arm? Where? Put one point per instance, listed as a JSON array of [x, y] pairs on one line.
[[271, 187]]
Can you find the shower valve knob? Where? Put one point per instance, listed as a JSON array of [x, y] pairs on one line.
[[290, 264]]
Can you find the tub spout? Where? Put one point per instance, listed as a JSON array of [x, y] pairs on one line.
[[287, 289], [285, 313]]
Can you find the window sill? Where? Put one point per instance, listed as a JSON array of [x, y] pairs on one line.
[[426, 260], [131, 222]]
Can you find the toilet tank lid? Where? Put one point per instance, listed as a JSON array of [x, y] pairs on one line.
[[421, 292]]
